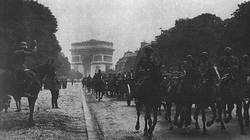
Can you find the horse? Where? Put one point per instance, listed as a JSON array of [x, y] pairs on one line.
[[206, 97], [170, 86], [231, 92], [147, 95], [35, 76]]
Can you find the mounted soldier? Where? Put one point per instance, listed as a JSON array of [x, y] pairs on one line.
[[146, 68], [228, 64], [147, 89], [17, 67], [245, 65]]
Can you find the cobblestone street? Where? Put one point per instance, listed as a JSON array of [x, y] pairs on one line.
[[66, 123], [106, 119], [117, 121]]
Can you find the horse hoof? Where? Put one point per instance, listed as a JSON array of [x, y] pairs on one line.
[[31, 123], [137, 127], [223, 128], [243, 133], [247, 124], [227, 120], [204, 131], [197, 127], [18, 110], [209, 123], [218, 120]]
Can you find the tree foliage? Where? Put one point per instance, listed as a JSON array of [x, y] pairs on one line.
[[62, 65], [190, 36], [205, 32], [27, 21]]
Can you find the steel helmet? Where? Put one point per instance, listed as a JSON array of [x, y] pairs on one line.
[[228, 50], [204, 54]]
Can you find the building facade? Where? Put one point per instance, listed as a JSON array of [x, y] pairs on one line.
[[127, 62], [90, 56], [129, 59]]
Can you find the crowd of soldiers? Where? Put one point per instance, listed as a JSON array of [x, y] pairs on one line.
[[193, 72], [114, 83]]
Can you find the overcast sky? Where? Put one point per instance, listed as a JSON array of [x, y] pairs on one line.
[[126, 22]]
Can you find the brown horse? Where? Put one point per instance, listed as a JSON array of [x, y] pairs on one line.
[[8, 85]]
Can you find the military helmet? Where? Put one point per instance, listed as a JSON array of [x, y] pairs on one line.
[[228, 50], [204, 54], [22, 45], [245, 57], [189, 57]]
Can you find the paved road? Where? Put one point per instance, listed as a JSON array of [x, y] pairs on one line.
[[66, 123], [117, 121]]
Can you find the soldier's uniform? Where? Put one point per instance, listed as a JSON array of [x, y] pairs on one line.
[[53, 85], [228, 63], [245, 72], [147, 70], [17, 66], [205, 66], [245, 65]]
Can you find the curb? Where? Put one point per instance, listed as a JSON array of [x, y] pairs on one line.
[[92, 133]]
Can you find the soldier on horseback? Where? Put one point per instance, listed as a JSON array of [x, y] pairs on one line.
[[228, 63], [18, 68], [146, 67]]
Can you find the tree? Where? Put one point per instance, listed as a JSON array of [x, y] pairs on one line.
[[190, 36], [237, 29], [75, 75], [27, 21], [62, 65]]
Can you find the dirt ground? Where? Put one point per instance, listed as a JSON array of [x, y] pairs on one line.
[[66, 123]]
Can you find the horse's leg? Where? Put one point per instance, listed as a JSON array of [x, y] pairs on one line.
[[138, 111], [177, 113], [213, 108], [182, 116], [146, 117], [188, 115], [203, 112], [99, 96], [246, 112], [229, 112], [168, 115], [154, 121], [197, 110], [240, 118], [220, 109], [31, 106]]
